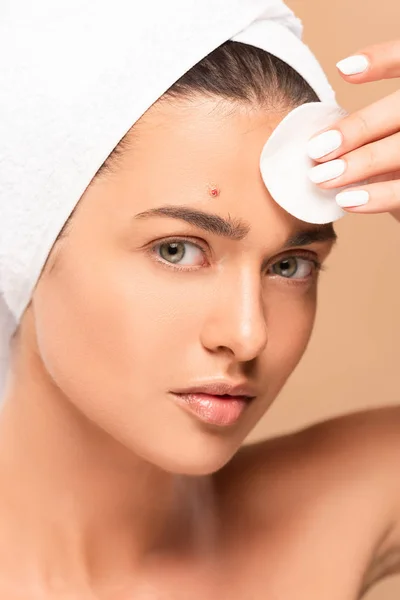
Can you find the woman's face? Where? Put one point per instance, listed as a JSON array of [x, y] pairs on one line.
[[141, 304]]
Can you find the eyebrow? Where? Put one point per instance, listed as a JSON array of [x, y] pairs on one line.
[[233, 229], [236, 229]]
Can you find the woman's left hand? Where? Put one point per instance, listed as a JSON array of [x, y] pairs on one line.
[[366, 144]]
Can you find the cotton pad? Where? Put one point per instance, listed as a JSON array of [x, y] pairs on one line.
[[284, 164]]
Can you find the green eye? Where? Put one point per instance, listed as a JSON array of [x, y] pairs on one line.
[[172, 251], [294, 267], [180, 252]]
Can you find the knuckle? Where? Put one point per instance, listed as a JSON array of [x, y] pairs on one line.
[[361, 125], [371, 158]]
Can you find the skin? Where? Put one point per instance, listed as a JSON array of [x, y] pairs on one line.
[[129, 494]]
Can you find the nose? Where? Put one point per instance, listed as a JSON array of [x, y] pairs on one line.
[[236, 321]]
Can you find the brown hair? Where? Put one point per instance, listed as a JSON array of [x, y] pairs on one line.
[[235, 72]]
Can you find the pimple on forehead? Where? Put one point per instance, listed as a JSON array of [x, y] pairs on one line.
[[214, 191]]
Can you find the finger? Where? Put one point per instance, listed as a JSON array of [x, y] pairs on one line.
[[378, 120], [373, 63], [371, 199], [378, 158]]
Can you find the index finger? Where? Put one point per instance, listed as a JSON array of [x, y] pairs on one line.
[[373, 63]]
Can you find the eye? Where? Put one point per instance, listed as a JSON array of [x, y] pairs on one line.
[[180, 252], [294, 267]]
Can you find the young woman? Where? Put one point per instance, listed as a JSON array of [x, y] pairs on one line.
[[172, 309]]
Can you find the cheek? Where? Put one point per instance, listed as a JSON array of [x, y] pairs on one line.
[[291, 317], [111, 329]]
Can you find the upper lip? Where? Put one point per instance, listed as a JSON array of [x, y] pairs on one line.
[[220, 388]]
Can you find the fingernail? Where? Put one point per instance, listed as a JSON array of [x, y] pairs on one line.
[[324, 144], [353, 64], [353, 198], [327, 171]]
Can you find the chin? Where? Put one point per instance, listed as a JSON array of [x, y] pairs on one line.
[[195, 468], [203, 455]]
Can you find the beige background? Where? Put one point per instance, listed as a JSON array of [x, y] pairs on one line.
[[353, 360]]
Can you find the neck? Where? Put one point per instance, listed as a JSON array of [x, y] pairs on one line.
[[80, 508]]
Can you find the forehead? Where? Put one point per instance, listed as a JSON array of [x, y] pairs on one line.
[[206, 136], [187, 145], [180, 150]]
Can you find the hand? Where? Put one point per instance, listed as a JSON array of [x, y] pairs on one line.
[[366, 144]]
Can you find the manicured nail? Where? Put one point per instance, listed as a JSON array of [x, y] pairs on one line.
[[324, 143], [353, 64], [352, 198], [327, 171]]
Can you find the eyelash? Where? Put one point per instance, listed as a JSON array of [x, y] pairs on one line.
[[310, 256]]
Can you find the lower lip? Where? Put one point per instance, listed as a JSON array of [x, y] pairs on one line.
[[216, 410]]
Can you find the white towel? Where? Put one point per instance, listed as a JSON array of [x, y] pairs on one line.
[[74, 77]]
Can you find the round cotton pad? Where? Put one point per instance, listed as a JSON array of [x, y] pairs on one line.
[[285, 164]]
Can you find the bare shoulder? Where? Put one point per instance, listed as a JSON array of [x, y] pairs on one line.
[[363, 444], [346, 468]]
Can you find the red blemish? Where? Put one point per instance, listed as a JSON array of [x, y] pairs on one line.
[[214, 192]]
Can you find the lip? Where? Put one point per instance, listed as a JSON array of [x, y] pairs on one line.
[[221, 388], [217, 403]]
